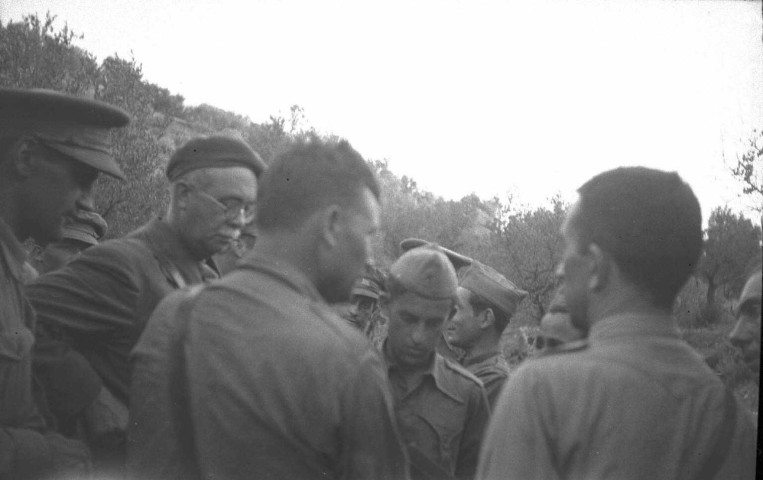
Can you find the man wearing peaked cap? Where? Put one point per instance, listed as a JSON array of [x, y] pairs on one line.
[[444, 346], [441, 408], [486, 302], [52, 147], [102, 300]]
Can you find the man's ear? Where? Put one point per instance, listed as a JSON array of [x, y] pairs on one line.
[[22, 157], [601, 267], [330, 221], [181, 194], [488, 319]]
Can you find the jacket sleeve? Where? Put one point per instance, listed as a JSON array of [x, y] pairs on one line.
[[373, 447], [88, 298]]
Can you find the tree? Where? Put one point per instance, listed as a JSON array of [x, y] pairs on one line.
[[34, 55], [749, 169], [731, 241], [529, 248]]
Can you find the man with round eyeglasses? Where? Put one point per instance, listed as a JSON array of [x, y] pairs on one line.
[[99, 303]]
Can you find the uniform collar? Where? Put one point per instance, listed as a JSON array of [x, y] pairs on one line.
[[437, 370], [12, 251], [168, 243], [288, 274], [630, 326], [468, 361]]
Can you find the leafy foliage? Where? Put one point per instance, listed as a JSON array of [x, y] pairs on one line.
[[731, 242], [749, 169]]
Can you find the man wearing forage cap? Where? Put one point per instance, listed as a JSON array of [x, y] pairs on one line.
[[486, 302], [444, 347], [102, 300], [52, 147], [441, 408]]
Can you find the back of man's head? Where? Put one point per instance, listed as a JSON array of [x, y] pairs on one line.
[[308, 177], [649, 221]]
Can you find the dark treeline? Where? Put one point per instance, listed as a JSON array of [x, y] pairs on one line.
[[523, 243]]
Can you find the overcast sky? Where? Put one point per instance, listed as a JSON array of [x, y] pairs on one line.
[[526, 97]]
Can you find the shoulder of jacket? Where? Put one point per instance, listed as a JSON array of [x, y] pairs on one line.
[[461, 372]]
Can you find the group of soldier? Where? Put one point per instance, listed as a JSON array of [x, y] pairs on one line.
[[141, 358]]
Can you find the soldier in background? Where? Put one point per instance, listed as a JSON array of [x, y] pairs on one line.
[[441, 408], [557, 333], [52, 148], [746, 333], [227, 259], [486, 302], [363, 310], [82, 229], [638, 402]]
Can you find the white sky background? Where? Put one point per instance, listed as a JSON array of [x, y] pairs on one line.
[[464, 96]]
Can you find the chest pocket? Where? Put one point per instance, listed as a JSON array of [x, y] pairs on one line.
[[16, 345], [438, 429]]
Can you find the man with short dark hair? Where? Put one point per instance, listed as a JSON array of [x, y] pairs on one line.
[[638, 403], [52, 148], [746, 333], [486, 302], [441, 408], [254, 376]]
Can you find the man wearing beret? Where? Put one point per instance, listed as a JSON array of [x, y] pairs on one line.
[[100, 302], [255, 376], [638, 402], [441, 408], [52, 147], [486, 302]]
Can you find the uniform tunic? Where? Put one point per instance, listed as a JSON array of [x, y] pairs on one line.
[[492, 369], [639, 403], [278, 386], [442, 419], [101, 301], [26, 448]]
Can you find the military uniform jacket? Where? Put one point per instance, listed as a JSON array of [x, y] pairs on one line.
[[269, 380], [492, 370], [24, 438], [442, 419], [639, 403], [100, 302]]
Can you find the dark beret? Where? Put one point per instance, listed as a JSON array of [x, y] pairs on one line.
[[79, 128], [213, 152], [456, 259]]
